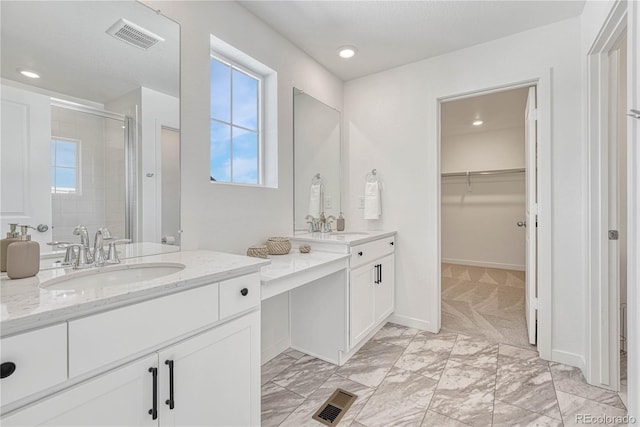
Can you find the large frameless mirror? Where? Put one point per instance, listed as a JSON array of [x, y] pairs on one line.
[[316, 138], [95, 138]]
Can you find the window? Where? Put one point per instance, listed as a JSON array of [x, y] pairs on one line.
[[236, 137], [64, 166]]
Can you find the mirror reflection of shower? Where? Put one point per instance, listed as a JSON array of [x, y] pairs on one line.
[[88, 171]]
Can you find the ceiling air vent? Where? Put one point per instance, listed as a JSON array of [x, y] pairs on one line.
[[133, 34]]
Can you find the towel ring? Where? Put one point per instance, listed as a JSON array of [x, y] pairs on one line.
[[372, 176]]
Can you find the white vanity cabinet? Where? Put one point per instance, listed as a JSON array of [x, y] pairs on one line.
[[187, 358], [371, 287], [121, 397]]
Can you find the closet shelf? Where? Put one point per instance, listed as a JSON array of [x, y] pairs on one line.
[[484, 172]]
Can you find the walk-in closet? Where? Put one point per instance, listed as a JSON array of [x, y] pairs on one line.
[[484, 213]]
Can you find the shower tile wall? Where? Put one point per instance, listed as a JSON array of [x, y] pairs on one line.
[[101, 173]]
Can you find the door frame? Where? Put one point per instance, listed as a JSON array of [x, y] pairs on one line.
[[602, 326], [542, 82]]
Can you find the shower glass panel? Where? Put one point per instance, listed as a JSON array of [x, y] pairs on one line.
[[88, 184]]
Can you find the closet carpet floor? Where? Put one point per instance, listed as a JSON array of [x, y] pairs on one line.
[[405, 377], [484, 302]]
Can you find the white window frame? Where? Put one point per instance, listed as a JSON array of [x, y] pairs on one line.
[[53, 165], [268, 150], [261, 95]]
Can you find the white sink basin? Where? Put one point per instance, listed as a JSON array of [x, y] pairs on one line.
[[349, 233], [121, 274]]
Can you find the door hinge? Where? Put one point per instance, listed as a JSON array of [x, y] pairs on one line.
[[613, 235]]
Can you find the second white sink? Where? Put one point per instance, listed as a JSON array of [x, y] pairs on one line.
[[121, 274]]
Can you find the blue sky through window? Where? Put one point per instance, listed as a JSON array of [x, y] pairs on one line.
[[234, 125], [64, 166]]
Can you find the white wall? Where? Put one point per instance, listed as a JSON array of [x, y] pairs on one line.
[[391, 123], [495, 149], [478, 223], [232, 217]]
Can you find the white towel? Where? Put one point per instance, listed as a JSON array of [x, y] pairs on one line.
[[315, 200], [372, 202]]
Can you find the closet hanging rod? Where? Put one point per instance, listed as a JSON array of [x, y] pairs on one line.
[[485, 172]]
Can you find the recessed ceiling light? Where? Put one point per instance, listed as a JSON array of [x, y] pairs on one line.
[[29, 73], [347, 52], [477, 122]]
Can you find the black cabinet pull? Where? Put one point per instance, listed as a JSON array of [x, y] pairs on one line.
[[360, 253], [391, 243], [380, 273], [377, 280], [244, 292], [6, 369], [154, 410], [170, 401]]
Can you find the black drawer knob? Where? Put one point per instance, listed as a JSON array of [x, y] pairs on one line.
[[360, 253], [391, 243], [6, 369], [244, 292]]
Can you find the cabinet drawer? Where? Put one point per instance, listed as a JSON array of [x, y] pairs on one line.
[[103, 338], [370, 251], [40, 359], [232, 298]]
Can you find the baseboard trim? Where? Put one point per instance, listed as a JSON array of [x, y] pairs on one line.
[[412, 322], [502, 266], [571, 359], [274, 349]]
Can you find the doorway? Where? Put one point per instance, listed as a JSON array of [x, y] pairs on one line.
[[608, 181], [489, 215]]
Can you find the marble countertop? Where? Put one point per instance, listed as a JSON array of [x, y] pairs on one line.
[[27, 304], [349, 238], [51, 260], [295, 263]]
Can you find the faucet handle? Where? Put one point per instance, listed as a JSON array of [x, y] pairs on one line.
[[82, 260], [112, 253], [70, 253]]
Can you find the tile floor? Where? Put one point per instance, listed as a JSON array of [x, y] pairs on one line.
[[405, 377], [485, 302]]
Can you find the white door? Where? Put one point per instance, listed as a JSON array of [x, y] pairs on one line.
[[215, 380], [384, 289], [531, 219], [362, 304], [122, 397], [25, 162]]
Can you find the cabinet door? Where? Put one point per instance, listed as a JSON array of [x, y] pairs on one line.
[[122, 397], [385, 290], [216, 377], [361, 302]]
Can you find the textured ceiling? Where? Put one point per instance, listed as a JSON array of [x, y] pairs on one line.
[[392, 33], [65, 42]]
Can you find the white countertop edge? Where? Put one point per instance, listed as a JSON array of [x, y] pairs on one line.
[[352, 241], [63, 314], [339, 258]]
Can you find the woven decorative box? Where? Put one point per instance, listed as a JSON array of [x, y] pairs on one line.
[[278, 245], [260, 251]]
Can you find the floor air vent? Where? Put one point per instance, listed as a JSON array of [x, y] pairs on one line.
[[134, 34], [335, 407]]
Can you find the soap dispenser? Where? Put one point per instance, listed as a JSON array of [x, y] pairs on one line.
[[12, 236], [340, 223], [23, 256]]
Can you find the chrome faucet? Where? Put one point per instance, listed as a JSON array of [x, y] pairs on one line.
[[98, 248], [314, 224], [81, 231]]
